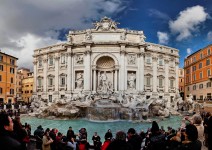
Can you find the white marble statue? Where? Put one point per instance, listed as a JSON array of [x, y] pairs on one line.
[[131, 81], [79, 81]]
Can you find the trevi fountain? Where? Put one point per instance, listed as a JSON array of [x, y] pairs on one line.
[[107, 73]]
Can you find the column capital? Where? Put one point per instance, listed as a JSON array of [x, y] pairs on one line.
[[69, 54], [57, 58], [87, 52], [140, 54], [166, 61], [154, 58], [35, 62], [177, 62], [45, 60]]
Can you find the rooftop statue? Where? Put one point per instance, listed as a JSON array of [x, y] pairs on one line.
[[105, 24]]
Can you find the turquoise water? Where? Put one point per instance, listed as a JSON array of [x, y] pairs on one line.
[[99, 127]]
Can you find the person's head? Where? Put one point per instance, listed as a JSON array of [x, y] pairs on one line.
[[95, 133], [121, 135], [108, 130], [131, 132], [6, 123], [197, 119], [46, 133], [70, 128], [191, 132]]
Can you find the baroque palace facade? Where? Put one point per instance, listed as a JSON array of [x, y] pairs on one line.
[[198, 75], [104, 60]]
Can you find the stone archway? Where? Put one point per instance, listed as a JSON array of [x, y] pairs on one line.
[[105, 75]]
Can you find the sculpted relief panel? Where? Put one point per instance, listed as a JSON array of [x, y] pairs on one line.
[[79, 59], [131, 59]]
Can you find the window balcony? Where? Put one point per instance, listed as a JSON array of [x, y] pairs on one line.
[[172, 89], [51, 87], [62, 87], [39, 88], [160, 88], [148, 88], [210, 77]]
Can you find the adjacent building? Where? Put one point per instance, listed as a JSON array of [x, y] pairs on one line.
[[105, 60], [198, 75], [8, 70], [27, 87], [24, 85], [181, 82]]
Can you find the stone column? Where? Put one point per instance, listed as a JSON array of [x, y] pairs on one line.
[[94, 79], [166, 75], [45, 67], [141, 70], [116, 79], [122, 72], [154, 59], [73, 73], [87, 71], [57, 73], [35, 76], [69, 66], [177, 76]]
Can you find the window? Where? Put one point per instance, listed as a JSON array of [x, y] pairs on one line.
[[50, 98], [200, 55], [188, 71], [63, 59], [51, 60], [194, 87], [200, 65], [148, 81], [200, 75], [11, 80], [171, 83], [160, 61], [50, 81], [39, 62], [1, 67], [207, 62], [208, 72], [1, 58], [160, 82], [188, 88], [181, 80], [200, 86], [12, 61], [62, 81], [0, 78], [209, 84], [209, 51], [194, 59], [209, 96], [1, 90], [193, 68], [11, 91], [39, 82], [12, 70], [194, 77], [148, 60]]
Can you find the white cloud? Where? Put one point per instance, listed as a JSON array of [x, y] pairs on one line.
[[34, 23], [163, 37], [188, 22], [189, 51], [209, 36], [158, 14]]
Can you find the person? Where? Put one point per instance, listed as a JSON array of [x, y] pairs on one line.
[[83, 144], [155, 140], [96, 141], [7, 142], [109, 134], [70, 133], [197, 121], [107, 141], [46, 141], [134, 139], [72, 144], [52, 135], [38, 133], [210, 133], [60, 145], [205, 123], [191, 141], [120, 142]]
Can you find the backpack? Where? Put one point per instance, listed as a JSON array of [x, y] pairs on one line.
[[82, 146]]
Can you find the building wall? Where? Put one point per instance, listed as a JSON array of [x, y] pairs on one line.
[[86, 53], [8, 82], [27, 89], [198, 71]]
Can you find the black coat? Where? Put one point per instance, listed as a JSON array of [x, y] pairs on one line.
[[135, 141], [7, 142], [119, 145]]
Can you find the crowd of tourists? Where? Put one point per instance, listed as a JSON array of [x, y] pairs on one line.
[[194, 132]]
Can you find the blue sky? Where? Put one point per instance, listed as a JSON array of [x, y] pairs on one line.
[[28, 24]]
